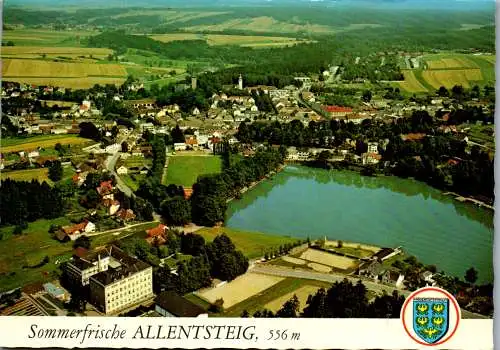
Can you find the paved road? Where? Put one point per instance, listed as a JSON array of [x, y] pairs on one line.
[[110, 165]]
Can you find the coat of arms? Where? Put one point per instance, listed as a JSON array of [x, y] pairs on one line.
[[430, 318]]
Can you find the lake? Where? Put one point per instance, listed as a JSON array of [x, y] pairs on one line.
[[384, 211]]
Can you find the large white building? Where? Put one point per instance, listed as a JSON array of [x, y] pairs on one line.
[[116, 280]]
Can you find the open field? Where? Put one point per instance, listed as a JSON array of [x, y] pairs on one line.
[[263, 24], [252, 244], [449, 78], [323, 258], [44, 141], [40, 174], [286, 287], [220, 39], [184, 170], [59, 51], [42, 37], [241, 288], [411, 83], [302, 294], [65, 74], [448, 62]]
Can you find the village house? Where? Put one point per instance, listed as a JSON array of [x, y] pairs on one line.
[[75, 231], [337, 111], [191, 143], [105, 190], [156, 235], [393, 277], [126, 215]]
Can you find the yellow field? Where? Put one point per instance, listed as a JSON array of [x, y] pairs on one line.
[[44, 142], [324, 258], [83, 51], [445, 63], [74, 83], [39, 68], [40, 174], [449, 78], [220, 39], [302, 294], [411, 83], [243, 287]]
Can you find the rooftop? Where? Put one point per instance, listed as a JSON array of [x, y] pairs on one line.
[[177, 305]]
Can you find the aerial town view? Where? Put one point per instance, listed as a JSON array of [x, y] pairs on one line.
[[245, 158]]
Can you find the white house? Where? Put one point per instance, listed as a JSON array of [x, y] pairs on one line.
[[196, 111], [254, 108], [122, 170], [147, 126], [33, 154], [114, 207], [372, 147], [90, 227]]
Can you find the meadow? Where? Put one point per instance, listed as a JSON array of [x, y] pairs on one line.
[[39, 174], [252, 244], [8, 145], [184, 170], [46, 38]]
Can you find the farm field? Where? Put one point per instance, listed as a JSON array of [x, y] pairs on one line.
[[411, 83], [184, 170], [32, 37], [324, 258], [220, 39], [45, 141], [241, 288], [269, 297], [36, 51], [263, 24], [65, 74], [449, 69], [449, 78], [252, 244], [40, 174]]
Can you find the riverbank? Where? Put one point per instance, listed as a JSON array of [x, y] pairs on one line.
[[469, 200], [255, 183]]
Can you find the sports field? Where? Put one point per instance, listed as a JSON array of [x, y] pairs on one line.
[[184, 170], [324, 258], [30, 143], [241, 288], [40, 174]]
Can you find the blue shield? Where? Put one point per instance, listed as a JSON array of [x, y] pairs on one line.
[[430, 318]]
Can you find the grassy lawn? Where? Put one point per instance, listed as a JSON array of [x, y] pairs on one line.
[[133, 183], [252, 244], [358, 252], [258, 301], [184, 170], [29, 248]]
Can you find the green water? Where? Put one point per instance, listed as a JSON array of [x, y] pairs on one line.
[[384, 211]]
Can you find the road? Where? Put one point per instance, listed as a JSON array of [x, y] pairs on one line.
[[110, 165], [116, 231]]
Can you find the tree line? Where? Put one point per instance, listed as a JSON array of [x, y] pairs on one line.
[[23, 201]]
